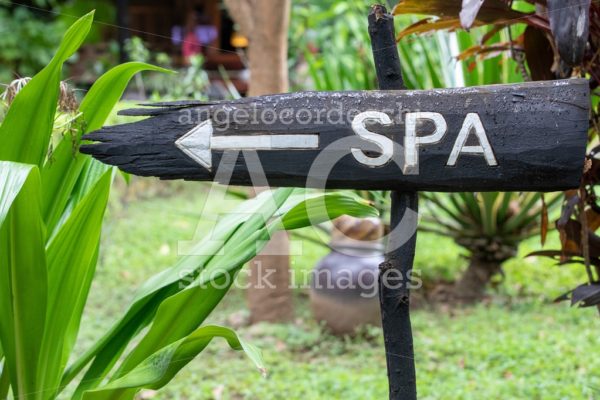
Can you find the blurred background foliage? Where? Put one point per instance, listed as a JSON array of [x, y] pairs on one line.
[[21, 28], [330, 50], [38, 27], [514, 352]]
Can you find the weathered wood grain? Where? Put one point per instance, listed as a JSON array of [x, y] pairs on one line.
[[537, 131]]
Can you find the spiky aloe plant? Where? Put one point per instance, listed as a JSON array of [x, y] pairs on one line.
[[489, 226]]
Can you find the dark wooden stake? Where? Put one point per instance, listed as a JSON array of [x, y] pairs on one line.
[[394, 274]]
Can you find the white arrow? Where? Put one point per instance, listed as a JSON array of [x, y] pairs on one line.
[[199, 142]]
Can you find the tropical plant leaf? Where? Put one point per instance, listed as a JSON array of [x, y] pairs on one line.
[[486, 51], [429, 24], [570, 25], [168, 285], [220, 271], [564, 257], [4, 383], [491, 33], [211, 284], [23, 278], [545, 253], [199, 299], [571, 201], [450, 15], [430, 65], [62, 171], [158, 369], [469, 11], [593, 219], [320, 208], [197, 291], [59, 176], [155, 290], [544, 221], [75, 191], [107, 90], [539, 53], [27, 127], [488, 213], [491, 11], [525, 214], [584, 295], [71, 265], [570, 238]]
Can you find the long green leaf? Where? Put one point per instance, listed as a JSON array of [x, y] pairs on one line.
[[213, 283], [170, 323], [488, 212], [166, 284], [523, 216], [504, 206], [27, 127], [158, 369], [23, 277], [62, 171], [107, 90], [318, 209], [71, 255], [198, 300], [440, 202], [472, 205], [59, 176], [431, 66], [215, 275], [4, 383]]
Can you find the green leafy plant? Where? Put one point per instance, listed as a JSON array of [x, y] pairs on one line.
[[20, 29], [333, 40], [489, 226], [51, 209]]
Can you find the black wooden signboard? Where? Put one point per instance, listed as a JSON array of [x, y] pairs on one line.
[[525, 137]]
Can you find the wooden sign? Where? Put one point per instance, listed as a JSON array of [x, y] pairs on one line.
[[525, 137]]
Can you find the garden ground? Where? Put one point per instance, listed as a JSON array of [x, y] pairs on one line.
[[516, 346]]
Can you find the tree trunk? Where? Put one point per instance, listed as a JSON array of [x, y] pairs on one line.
[[269, 294], [268, 50], [470, 288], [265, 23]]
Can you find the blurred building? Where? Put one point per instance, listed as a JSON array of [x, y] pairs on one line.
[[177, 28], [165, 27]]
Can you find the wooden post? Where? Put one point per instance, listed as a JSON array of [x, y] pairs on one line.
[[394, 300]]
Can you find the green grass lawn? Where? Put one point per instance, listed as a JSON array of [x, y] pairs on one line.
[[519, 346]]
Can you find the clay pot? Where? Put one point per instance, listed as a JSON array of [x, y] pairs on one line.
[[344, 289]]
